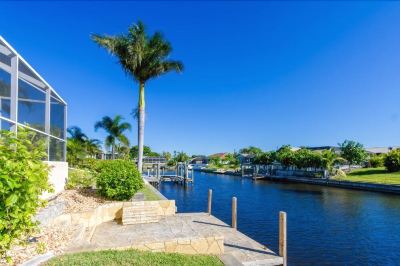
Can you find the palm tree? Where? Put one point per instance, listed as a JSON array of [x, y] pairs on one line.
[[330, 158], [93, 147], [76, 145], [115, 129], [76, 134], [143, 57]]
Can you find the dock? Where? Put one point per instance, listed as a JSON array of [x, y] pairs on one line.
[[182, 174], [238, 249]]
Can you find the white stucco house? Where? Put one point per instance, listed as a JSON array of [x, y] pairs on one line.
[[27, 100]]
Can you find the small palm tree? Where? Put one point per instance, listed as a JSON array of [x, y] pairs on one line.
[[330, 158], [76, 145], [76, 134], [115, 129], [93, 147], [143, 57]]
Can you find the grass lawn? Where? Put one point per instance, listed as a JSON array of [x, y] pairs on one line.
[[373, 175], [148, 193], [133, 257]]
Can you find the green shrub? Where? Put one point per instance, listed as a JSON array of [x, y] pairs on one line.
[[285, 156], [376, 161], [79, 178], [339, 173], [305, 158], [118, 179], [75, 152], [392, 161], [88, 163], [23, 179]]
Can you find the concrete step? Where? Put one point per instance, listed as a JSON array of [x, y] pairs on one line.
[[138, 214]]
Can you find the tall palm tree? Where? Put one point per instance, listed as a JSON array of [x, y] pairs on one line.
[[115, 129], [143, 57]]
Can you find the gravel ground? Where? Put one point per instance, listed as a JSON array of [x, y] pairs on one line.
[[81, 200], [55, 239]]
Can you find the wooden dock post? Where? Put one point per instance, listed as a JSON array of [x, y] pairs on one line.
[[234, 213], [177, 172], [158, 172], [186, 172], [209, 201], [283, 237]]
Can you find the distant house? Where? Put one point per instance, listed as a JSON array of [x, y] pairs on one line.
[[153, 160], [245, 158], [106, 155], [220, 155], [199, 160], [381, 150], [324, 148]]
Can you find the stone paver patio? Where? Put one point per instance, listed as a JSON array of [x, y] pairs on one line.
[[185, 233]]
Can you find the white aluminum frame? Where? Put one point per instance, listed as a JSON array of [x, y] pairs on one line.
[[40, 83]]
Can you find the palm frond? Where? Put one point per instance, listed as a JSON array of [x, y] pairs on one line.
[[76, 133], [115, 128], [141, 56], [123, 139]]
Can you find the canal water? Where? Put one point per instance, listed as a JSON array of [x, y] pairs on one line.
[[326, 226]]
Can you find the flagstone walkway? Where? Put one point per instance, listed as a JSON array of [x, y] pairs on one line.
[[185, 233]]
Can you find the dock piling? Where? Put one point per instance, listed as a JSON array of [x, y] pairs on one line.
[[186, 172], [234, 213], [158, 172], [283, 237], [209, 201]]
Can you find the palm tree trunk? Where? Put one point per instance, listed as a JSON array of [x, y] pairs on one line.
[[112, 152], [141, 127]]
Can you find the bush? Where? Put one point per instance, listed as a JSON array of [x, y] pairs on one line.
[[392, 161], [340, 173], [353, 152], [285, 156], [75, 152], [118, 179], [264, 158], [78, 178], [305, 158], [23, 179], [88, 164], [376, 161]]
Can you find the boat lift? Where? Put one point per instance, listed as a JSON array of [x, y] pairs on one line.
[[183, 174]]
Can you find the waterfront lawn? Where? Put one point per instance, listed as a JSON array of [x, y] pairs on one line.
[[148, 193], [132, 257], [372, 175]]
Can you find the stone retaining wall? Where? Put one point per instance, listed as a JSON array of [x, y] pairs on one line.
[[213, 245], [111, 211]]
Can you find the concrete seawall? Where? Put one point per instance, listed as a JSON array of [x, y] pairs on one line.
[[322, 182], [342, 184]]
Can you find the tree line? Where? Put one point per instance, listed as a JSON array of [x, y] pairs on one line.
[[80, 146], [349, 153]]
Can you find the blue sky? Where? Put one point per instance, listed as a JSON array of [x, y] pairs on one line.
[[256, 73]]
